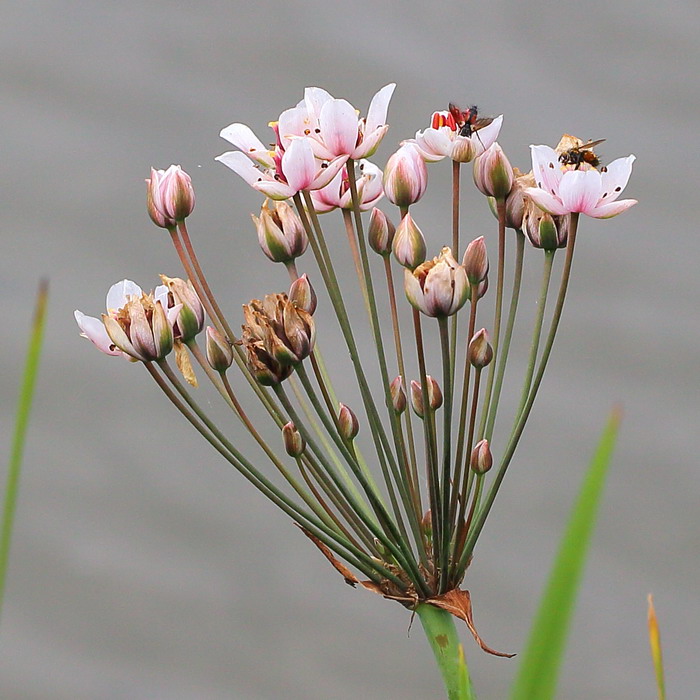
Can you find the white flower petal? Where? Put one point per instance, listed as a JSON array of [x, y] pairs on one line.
[[314, 99], [339, 127], [119, 294], [369, 144], [546, 168], [243, 137], [437, 141], [615, 177], [274, 189], [295, 122], [486, 136], [606, 211], [325, 174], [94, 330], [241, 165], [378, 107]]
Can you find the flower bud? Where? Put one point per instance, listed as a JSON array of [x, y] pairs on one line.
[[293, 441], [544, 230], [348, 425], [405, 176], [280, 232], [156, 217], [381, 232], [398, 395], [219, 352], [493, 174], [426, 523], [480, 351], [481, 458], [437, 287], [434, 396], [476, 261], [408, 244], [302, 295], [171, 194], [190, 320]]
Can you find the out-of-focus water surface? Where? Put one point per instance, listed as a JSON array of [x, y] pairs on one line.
[[143, 566]]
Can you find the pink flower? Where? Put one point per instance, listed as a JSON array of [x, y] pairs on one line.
[[336, 194], [442, 139], [563, 189], [333, 125], [295, 169]]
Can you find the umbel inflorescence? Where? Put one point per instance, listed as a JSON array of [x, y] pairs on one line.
[[407, 513]]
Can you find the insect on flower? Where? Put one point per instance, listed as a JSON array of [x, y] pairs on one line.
[[577, 155], [468, 120]]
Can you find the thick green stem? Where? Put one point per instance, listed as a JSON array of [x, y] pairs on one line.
[[440, 630]]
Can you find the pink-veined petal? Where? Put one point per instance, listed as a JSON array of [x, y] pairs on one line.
[[615, 177], [325, 174], [299, 165], [338, 124], [606, 211], [545, 201], [546, 168], [579, 190], [414, 292], [378, 107], [314, 99], [119, 294], [295, 122], [94, 330], [370, 143], [274, 189], [241, 165], [438, 141], [487, 135], [242, 137]]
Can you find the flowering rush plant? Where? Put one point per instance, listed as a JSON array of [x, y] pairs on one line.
[[399, 514]]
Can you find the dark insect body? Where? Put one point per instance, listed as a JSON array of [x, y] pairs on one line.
[[468, 121], [578, 155]]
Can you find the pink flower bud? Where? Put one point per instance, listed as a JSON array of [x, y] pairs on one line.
[[398, 395], [219, 352], [348, 425], [302, 295], [171, 194], [408, 244], [480, 351], [190, 320], [293, 441], [380, 233], [405, 176], [438, 287], [476, 261], [281, 233], [493, 174], [481, 458], [434, 396]]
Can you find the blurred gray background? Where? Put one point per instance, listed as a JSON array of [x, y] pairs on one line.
[[143, 566]]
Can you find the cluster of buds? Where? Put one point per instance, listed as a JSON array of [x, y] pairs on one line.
[[277, 335]]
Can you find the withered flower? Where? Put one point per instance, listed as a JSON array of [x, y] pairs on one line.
[[276, 335]]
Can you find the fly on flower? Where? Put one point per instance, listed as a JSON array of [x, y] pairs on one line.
[[468, 120], [583, 153]]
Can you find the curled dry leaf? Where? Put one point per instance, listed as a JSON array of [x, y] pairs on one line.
[[459, 604]]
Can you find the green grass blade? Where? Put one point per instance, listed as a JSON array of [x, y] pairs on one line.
[[539, 668], [23, 408]]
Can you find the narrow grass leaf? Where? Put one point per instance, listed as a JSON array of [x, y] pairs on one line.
[[655, 644], [539, 668], [24, 403]]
